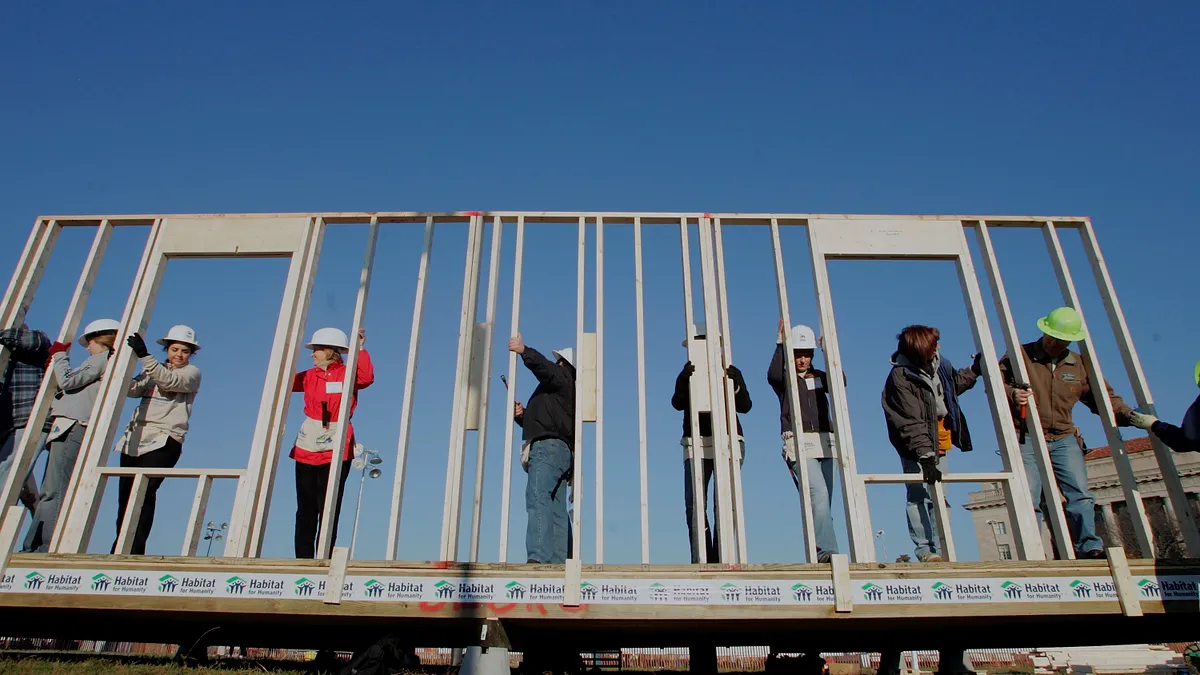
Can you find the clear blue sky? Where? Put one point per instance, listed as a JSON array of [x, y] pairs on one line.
[[1068, 108]]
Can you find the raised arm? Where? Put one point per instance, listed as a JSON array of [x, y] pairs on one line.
[[364, 374], [682, 395], [776, 376], [185, 380], [71, 381], [546, 371]]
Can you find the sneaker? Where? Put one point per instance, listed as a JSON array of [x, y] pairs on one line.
[[825, 557], [1097, 554], [930, 558]]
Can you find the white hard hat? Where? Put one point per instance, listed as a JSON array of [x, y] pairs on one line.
[[180, 333], [98, 326], [330, 337], [566, 354], [803, 338], [699, 331]]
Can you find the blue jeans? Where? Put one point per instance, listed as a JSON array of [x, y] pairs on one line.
[[922, 523], [1071, 473], [60, 466], [820, 495], [712, 537], [8, 454], [547, 533]]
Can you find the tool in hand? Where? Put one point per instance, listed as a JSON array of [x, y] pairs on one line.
[[1024, 427], [504, 380]]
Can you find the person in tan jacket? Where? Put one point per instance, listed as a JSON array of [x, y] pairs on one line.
[[1058, 381]]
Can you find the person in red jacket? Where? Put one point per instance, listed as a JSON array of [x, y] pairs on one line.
[[313, 451]]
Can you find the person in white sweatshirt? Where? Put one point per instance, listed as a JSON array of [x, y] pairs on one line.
[[69, 416], [155, 434]]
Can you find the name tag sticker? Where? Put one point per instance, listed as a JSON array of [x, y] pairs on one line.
[[333, 387], [818, 383]]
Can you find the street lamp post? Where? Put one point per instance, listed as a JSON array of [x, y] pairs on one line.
[[212, 533], [363, 459], [883, 543]]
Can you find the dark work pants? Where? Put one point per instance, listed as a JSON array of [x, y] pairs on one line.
[[164, 458], [312, 480]]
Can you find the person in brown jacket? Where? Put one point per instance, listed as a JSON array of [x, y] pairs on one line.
[[1058, 381]]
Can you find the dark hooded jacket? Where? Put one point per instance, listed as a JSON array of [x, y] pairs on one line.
[[1185, 438], [912, 413], [814, 402], [682, 400], [550, 412]]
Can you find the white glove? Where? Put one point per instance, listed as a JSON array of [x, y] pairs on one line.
[[1142, 420]]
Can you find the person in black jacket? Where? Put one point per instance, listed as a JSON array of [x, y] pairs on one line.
[[548, 428], [1183, 438], [920, 405], [816, 446], [681, 400]]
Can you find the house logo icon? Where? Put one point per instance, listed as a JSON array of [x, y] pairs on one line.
[[942, 591], [588, 591], [373, 589], [443, 589], [1011, 591], [101, 582], [514, 590], [872, 592], [34, 581], [658, 592], [1149, 589], [304, 587], [802, 593], [1081, 589], [235, 585], [731, 592], [167, 584]]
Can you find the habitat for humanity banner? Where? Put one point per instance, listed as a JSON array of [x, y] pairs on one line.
[[453, 589]]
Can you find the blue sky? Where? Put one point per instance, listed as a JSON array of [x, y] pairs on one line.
[[1070, 108]]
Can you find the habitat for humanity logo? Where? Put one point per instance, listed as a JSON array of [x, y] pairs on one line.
[[304, 587], [1081, 589], [101, 582], [514, 590], [373, 589], [167, 584], [588, 591], [731, 593], [1011, 590], [34, 581], [872, 592], [1149, 589], [443, 589], [659, 593], [942, 591], [235, 585]]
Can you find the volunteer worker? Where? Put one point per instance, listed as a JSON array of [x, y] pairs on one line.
[[155, 434], [313, 451], [682, 400], [69, 416], [817, 446]]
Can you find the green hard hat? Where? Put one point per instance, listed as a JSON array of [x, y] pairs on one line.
[[1063, 323], [1198, 373]]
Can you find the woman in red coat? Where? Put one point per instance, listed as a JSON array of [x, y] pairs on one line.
[[313, 451]]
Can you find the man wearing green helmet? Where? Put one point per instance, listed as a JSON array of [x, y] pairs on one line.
[[1184, 438], [1059, 380]]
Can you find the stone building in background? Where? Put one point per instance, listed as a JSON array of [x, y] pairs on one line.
[[995, 535]]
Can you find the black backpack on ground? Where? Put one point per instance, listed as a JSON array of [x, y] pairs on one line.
[[385, 657]]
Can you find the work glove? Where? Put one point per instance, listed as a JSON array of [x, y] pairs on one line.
[[976, 367], [60, 348], [929, 469], [138, 345], [688, 369], [1142, 420], [735, 375]]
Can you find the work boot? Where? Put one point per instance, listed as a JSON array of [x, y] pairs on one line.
[[1097, 554], [930, 558]]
